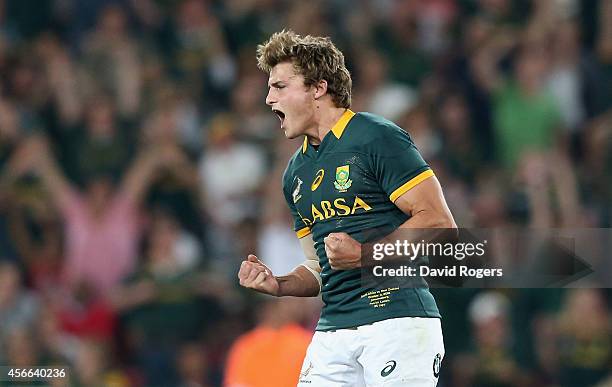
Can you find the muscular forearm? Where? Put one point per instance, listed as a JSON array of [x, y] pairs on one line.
[[421, 227], [299, 283], [429, 219], [425, 225]]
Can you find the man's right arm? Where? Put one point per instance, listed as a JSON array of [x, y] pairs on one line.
[[303, 281], [299, 283]]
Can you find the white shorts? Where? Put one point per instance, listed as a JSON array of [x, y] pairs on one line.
[[404, 351]]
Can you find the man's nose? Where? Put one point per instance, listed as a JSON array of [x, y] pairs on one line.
[[270, 99]]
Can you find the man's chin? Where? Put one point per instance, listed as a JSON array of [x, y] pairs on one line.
[[290, 135]]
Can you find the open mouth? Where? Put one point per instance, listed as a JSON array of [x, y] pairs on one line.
[[281, 116]]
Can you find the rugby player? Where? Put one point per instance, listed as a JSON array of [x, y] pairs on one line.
[[354, 172]]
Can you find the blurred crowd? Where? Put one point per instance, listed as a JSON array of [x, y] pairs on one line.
[[139, 165]]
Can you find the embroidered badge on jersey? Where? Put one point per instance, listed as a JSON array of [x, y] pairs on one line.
[[342, 183]]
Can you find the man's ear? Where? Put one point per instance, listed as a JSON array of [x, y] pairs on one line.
[[320, 88]]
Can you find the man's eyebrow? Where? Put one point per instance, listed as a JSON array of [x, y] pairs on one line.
[[281, 82]]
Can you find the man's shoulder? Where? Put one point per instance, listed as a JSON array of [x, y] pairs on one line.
[[371, 127]]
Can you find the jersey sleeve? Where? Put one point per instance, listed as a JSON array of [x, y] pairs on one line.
[[398, 166], [301, 229]]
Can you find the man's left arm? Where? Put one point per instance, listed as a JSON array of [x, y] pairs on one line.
[[426, 206], [401, 173], [430, 218]]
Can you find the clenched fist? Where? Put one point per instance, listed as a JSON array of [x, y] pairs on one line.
[[253, 274], [343, 252]]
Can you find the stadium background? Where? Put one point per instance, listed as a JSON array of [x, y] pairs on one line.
[[154, 112]]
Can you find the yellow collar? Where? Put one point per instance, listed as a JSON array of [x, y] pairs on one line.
[[337, 129]]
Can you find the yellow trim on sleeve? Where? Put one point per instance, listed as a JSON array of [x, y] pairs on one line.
[[410, 184], [301, 233], [339, 126]]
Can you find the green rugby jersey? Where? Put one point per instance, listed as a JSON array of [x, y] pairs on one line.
[[349, 185]]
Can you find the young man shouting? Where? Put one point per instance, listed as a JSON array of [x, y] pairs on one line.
[[354, 173]]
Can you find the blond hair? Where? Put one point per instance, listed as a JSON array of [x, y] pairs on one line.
[[315, 58]]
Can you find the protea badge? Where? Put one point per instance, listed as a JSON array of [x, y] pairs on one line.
[[342, 182]]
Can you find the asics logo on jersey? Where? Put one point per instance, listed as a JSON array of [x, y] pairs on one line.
[[389, 367], [318, 179]]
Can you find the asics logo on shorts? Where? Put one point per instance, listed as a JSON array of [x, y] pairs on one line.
[[389, 367], [436, 365]]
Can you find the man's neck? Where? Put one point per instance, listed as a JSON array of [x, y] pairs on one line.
[[327, 118]]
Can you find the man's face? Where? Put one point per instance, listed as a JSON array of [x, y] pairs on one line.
[[292, 102]]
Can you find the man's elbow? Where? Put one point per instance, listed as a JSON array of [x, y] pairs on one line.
[[447, 225], [444, 221]]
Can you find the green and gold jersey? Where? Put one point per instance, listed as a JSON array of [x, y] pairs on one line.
[[349, 184]]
